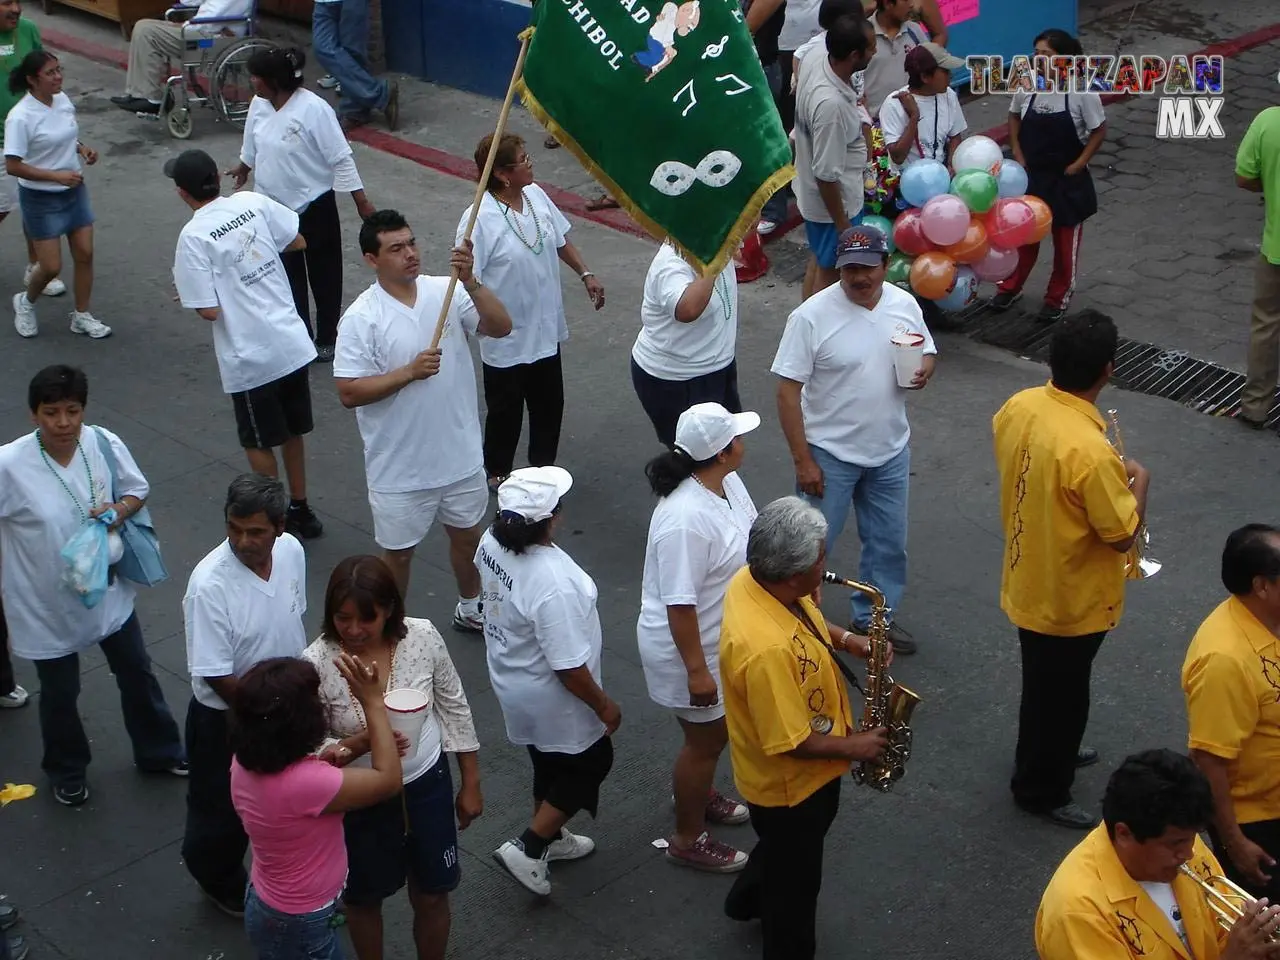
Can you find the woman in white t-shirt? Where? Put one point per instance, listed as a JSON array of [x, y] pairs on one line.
[[412, 836], [300, 157], [519, 240], [685, 351], [697, 542], [542, 636], [924, 120], [42, 149]]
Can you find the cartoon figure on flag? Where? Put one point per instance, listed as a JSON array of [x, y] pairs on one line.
[[661, 49]]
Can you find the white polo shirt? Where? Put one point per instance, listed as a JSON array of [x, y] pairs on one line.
[[941, 118], [234, 619], [887, 70], [853, 407], [1086, 109], [539, 617], [829, 142], [670, 350], [426, 435]]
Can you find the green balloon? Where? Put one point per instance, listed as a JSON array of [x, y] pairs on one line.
[[977, 188], [899, 272], [884, 225]]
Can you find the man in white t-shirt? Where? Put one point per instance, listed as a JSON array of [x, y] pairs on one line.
[[227, 268], [244, 604], [845, 417], [924, 120], [416, 405]]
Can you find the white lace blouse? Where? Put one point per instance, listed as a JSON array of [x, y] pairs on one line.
[[421, 662]]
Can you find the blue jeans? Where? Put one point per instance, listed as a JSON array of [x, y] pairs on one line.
[[340, 38], [879, 498], [288, 936]]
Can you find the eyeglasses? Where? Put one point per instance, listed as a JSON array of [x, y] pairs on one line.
[[525, 161]]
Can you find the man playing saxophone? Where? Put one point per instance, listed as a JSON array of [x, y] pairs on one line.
[[791, 733], [1135, 886], [1231, 679], [1071, 510]]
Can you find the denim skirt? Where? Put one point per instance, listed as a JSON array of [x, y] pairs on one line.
[[49, 214]]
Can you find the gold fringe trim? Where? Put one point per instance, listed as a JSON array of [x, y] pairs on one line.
[[746, 220]]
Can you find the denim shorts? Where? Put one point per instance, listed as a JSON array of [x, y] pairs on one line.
[[411, 836], [50, 214], [288, 936]]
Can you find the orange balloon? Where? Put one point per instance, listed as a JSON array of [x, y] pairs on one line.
[[932, 274], [973, 247], [1044, 216]]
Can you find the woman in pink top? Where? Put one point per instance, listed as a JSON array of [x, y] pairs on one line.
[[291, 802]]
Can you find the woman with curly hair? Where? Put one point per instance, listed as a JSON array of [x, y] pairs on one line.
[[291, 802]]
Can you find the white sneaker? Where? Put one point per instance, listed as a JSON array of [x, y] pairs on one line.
[[24, 316], [766, 227], [570, 846], [327, 82], [17, 697], [54, 288], [88, 324], [533, 875]]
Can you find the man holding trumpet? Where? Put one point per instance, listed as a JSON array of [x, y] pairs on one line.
[[1231, 679]]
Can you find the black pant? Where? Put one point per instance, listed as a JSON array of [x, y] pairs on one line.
[[214, 842], [1052, 717], [147, 720], [7, 679], [321, 265], [782, 878], [1266, 834], [539, 386], [665, 400]]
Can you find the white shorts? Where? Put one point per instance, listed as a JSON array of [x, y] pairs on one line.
[[8, 192], [402, 520], [700, 714]]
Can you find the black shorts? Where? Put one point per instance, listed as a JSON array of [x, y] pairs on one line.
[[571, 781], [268, 415]]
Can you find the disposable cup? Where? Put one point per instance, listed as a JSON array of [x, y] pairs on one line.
[[408, 712], [908, 354]]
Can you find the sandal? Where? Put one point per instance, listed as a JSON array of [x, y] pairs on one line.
[[551, 143], [602, 202]]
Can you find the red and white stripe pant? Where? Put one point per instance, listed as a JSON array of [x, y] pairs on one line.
[[1066, 260]]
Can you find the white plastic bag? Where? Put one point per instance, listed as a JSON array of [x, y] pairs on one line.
[[87, 557]]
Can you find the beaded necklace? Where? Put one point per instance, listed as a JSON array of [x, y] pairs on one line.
[[722, 289], [536, 246], [44, 455]]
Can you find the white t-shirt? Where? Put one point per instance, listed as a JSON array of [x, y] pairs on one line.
[[1163, 896], [540, 617], [43, 137], [664, 25], [299, 152], [697, 542], [234, 619], [426, 435], [670, 350], [527, 283], [887, 70], [799, 24], [1086, 109], [941, 118], [228, 256], [220, 9], [829, 142], [853, 407], [37, 518]]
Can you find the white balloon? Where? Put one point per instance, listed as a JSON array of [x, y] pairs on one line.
[[979, 153]]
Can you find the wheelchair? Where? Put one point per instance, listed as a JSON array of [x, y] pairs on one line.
[[214, 70]]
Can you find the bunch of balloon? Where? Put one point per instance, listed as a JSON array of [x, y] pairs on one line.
[[964, 228]]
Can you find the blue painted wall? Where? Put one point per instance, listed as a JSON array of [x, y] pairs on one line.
[[471, 44], [1008, 27]]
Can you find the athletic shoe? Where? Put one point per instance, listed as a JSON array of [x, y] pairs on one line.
[[303, 523], [533, 875], [54, 288], [8, 913], [84, 322], [766, 227], [1003, 301], [71, 795], [708, 855], [179, 769], [569, 846], [328, 82], [24, 316], [1051, 314], [467, 622], [18, 949], [722, 809], [231, 906], [17, 697]]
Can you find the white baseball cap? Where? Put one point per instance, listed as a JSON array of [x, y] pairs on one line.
[[707, 428], [534, 492]]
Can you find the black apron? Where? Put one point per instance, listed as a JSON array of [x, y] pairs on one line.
[[1050, 145]]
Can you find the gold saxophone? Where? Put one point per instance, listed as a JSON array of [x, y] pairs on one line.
[[885, 703], [1137, 565]]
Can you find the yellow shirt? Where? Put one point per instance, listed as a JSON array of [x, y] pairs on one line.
[[1231, 679], [1064, 497], [1093, 910], [779, 685]]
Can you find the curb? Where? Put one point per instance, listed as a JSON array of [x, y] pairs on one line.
[[571, 203]]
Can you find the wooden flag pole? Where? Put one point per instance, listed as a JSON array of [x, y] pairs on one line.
[[480, 187]]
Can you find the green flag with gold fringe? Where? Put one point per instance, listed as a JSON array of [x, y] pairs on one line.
[[666, 105]]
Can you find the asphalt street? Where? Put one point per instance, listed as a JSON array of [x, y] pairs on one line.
[[943, 867]]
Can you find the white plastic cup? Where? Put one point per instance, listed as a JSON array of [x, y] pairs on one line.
[[908, 355], [408, 712]]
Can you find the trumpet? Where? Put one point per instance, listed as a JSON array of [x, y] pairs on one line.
[[1228, 901], [885, 703], [1137, 565]]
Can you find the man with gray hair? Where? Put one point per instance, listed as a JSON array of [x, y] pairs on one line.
[[244, 604], [791, 731]]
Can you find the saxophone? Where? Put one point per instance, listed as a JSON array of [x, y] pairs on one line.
[[885, 703]]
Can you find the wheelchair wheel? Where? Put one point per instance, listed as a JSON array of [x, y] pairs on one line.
[[178, 120], [231, 90]]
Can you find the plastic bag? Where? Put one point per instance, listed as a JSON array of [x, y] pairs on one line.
[[87, 557]]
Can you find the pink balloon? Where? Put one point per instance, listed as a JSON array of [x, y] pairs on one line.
[[945, 219], [1010, 224], [996, 265]]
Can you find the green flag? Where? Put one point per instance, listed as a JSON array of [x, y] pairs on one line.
[[667, 106]]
